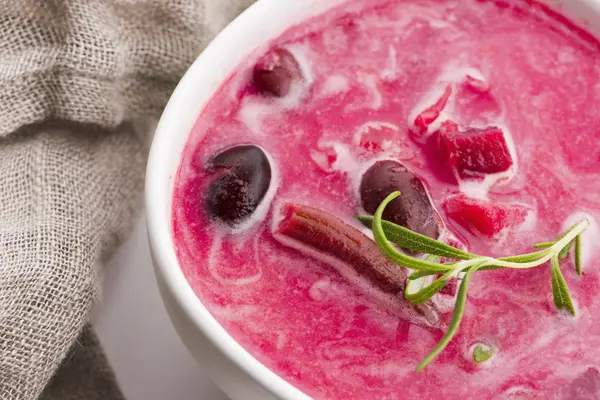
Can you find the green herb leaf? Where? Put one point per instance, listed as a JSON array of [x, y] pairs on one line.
[[482, 353], [564, 253], [457, 314], [433, 258], [469, 263], [526, 258], [578, 255], [390, 252], [560, 290], [543, 245], [407, 239], [422, 296], [421, 274]]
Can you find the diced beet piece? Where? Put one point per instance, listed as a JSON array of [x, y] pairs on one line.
[[275, 72], [326, 234], [586, 386], [244, 180], [483, 217], [412, 209], [430, 114], [474, 152]]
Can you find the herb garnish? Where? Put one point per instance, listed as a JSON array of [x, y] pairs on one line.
[[386, 233], [482, 353]]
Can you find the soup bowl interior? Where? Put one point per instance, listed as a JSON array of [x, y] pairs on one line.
[[239, 374]]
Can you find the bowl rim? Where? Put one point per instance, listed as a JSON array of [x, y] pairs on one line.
[[172, 132], [177, 124]]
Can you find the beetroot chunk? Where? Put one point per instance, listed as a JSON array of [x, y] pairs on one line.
[[430, 114], [482, 217], [413, 209], [324, 233], [473, 153], [275, 73]]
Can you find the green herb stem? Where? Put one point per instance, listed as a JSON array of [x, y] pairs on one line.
[[457, 314], [386, 234]]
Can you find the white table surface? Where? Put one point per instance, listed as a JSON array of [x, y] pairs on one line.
[[149, 360]]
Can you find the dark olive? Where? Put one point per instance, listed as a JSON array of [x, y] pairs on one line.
[[244, 180], [412, 209], [275, 72]]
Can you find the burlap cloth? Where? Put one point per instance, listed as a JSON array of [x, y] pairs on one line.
[[77, 77]]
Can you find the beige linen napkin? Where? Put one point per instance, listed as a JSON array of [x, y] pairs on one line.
[[76, 77]]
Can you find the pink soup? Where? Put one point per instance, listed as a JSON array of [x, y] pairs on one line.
[[484, 114]]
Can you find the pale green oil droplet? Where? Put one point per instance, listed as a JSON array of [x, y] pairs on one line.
[[482, 353]]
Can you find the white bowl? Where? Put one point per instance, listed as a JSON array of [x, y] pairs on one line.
[[239, 374]]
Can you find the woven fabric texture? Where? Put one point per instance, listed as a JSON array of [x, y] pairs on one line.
[[77, 77]]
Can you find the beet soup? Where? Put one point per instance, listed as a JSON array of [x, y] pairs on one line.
[[485, 115]]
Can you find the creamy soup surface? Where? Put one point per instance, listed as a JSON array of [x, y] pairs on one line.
[[494, 106]]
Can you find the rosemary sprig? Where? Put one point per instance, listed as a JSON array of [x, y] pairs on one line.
[[386, 233], [407, 239], [457, 314], [560, 291]]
